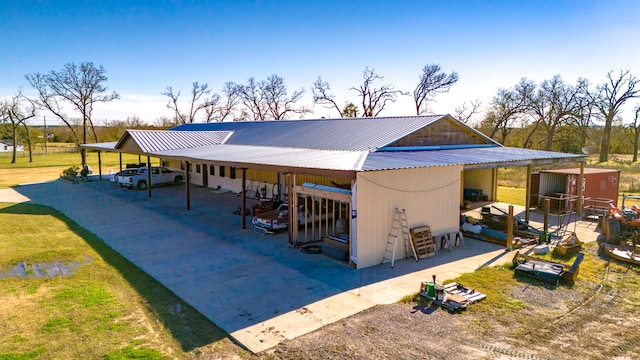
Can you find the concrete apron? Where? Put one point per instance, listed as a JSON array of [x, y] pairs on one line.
[[256, 288]]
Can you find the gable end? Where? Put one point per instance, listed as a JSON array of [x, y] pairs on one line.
[[445, 131]]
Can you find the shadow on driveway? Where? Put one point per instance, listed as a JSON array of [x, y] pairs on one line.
[[257, 288], [189, 327]]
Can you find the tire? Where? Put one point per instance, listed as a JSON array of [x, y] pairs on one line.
[[178, 180], [142, 185], [311, 249]]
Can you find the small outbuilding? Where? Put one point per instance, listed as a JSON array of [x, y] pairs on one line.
[[7, 146], [599, 189]]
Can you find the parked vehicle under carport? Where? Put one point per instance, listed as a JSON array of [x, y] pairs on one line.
[[278, 219], [121, 174], [160, 175]]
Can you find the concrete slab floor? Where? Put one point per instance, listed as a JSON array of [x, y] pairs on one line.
[[257, 288]]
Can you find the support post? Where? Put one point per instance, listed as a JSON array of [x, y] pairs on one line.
[[547, 208], [527, 200], [244, 198], [148, 175], [510, 229], [187, 185], [580, 184], [289, 181], [494, 185], [293, 211], [99, 166], [120, 155]]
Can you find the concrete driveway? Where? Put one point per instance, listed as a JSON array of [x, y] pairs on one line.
[[257, 288]]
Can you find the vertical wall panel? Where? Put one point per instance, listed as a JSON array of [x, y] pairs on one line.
[[597, 183], [430, 197]]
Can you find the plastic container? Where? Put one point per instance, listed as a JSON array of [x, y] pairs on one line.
[[439, 292], [431, 289]]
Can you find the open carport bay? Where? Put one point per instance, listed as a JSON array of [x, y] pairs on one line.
[[257, 288]]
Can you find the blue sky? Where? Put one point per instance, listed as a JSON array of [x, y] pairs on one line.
[[146, 46]]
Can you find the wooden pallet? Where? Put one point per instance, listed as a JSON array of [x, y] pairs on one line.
[[457, 297], [469, 294], [423, 242]]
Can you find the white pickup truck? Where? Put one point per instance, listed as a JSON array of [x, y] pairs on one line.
[[159, 175]]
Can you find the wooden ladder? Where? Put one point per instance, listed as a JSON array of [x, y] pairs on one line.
[[399, 224]]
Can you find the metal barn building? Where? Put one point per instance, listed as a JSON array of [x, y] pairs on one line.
[[356, 170]]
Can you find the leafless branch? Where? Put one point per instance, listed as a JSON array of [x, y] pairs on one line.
[[320, 91], [464, 113], [432, 81], [374, 100]]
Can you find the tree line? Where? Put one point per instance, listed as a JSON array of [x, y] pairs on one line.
[[542, 116]]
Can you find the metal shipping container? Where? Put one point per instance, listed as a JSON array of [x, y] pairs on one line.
[[599, 187]]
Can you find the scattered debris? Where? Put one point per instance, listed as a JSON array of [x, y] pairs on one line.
[[570, 244], [547, 271], [452, 296]]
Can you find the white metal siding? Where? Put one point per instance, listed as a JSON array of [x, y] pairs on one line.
[[430, 196], [550, 182]]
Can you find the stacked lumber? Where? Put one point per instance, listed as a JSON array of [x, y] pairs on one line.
[[423, 242]]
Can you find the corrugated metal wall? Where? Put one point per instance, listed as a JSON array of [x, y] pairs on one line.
[[598, 185], [430, 196], [551, 182], [602, 186]]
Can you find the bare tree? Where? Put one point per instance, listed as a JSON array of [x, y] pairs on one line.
[[635, 128], [374, 100], [321, 95], [164, 122], [552, 105], [16, 111], [432, 81], [279, 103], [82, 86], [27, 138], [267, 99], [252, 98], [133, 122], [505, 108], [608, 98], [220, 109], [583, 120], [198, 101], [464, 114]]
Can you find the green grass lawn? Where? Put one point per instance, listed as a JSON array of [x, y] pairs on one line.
[[106, 308], [49, 167]]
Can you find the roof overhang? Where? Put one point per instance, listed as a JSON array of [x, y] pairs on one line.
[[105, 146], [476, 158], [341, 164]]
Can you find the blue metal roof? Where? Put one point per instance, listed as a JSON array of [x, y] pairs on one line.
[[467, 157], [358, 134]]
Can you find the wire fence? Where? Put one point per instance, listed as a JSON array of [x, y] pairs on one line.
[[51, 150]]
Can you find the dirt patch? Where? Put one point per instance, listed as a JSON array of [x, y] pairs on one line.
[[584, 321]]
